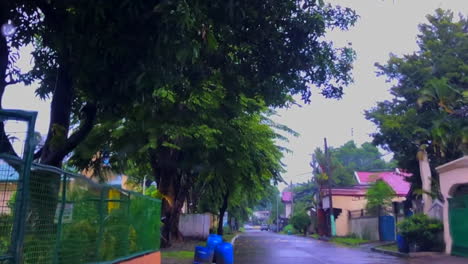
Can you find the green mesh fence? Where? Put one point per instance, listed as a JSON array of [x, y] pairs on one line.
[[74, 220], [48, 215], [16, 150]]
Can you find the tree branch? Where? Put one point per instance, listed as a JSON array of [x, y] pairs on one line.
[[12, 82], [89, 111], [38, 154]]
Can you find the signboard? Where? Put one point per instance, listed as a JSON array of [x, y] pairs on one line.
[[67, 215]]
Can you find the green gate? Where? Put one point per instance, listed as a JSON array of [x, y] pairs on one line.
[[458, 214]]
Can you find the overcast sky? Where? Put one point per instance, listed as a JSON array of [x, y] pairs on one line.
[[384, 27]]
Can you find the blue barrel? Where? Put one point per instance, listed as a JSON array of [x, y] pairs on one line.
[[403, 246], [202, 255], [213, 241], [224, 253]]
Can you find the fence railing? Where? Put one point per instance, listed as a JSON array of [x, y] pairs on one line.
[[361, 213], [48, 215]]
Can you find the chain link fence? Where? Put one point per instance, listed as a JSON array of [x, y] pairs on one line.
[[48, 215]]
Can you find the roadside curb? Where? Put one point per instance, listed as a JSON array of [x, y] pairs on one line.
[[392, 253], [233, 240]]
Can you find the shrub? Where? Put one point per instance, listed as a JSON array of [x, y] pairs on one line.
[[301, 221], [422, 231], [289, 228]]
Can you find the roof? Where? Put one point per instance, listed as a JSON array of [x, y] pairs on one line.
[[357, 190], [396, 179], [7, 173], [456, 164], [287, 197]]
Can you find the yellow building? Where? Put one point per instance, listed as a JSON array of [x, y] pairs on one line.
[[350, 202]]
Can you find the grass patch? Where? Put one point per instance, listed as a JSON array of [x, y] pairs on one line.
[[349, 241], [178, 254], [316, 236], [229, 237], [391, 247]]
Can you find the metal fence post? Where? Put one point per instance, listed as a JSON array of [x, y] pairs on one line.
[[22, 198], [59, 220], [101, 221]]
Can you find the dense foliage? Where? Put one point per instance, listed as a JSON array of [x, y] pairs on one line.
[[429, 109], [347, 159], [422, 231], [176, 90], [379, 196], [301, 221]]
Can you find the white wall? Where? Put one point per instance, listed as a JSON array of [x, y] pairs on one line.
[[195, 225]]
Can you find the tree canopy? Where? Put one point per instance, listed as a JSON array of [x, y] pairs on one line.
[[347, 159], [429, 108], [175, 90]]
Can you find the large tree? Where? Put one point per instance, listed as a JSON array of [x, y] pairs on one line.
[[429, 108], [168, 75], [347, 159]]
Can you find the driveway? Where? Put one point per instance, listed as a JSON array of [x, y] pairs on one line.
[[270, 248]]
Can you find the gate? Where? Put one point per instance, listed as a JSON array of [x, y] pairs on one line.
[[458, 214], [387, 228]]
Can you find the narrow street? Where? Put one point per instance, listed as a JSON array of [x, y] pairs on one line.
[[269, 248]]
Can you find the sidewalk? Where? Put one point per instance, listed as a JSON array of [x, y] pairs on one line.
[[436, 258]]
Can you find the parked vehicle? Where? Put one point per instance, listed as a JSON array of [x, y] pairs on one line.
[[264, 227]]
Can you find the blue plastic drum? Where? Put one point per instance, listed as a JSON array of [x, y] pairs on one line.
[[224, 253], [202, 255], [212, 242], [403, 246]]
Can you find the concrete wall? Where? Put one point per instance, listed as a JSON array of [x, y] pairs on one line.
[[346, 204], [365, 227], [288, 208], [195, 225], [451, 175]]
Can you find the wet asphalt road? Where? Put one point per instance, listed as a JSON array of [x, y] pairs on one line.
[[270, 248]]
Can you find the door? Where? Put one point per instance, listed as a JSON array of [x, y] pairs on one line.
[[458, 214]]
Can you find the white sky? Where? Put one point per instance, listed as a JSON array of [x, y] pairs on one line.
[[384, 27]]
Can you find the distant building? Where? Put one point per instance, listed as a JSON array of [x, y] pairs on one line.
[[262, 215], [287, 199], [350, 202], [8, 184]]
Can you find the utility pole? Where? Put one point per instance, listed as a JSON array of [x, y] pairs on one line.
[[277, 222], [328, 172]]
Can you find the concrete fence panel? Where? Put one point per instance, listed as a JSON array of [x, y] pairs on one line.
[[195, 225], [365, 227]]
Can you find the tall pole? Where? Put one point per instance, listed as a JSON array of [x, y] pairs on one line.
[[328, 172], [277, 222]]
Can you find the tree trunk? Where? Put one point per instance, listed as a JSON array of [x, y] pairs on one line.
[[3, 59], [222, 210], [172, 183], [230, 223]]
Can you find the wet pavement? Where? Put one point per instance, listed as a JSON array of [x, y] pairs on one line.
[[257, 247]]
